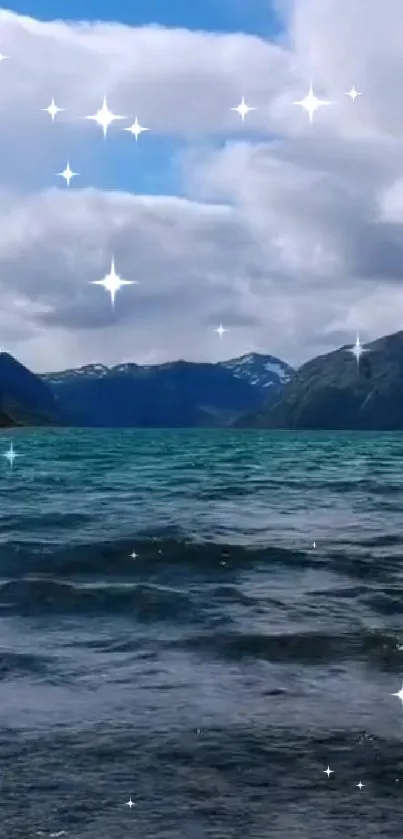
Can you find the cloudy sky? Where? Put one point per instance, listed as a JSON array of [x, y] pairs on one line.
[[289, 234]]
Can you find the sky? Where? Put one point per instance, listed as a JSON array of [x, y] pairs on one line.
[[289, 233]]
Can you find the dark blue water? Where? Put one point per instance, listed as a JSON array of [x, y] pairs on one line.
[[213, 677]]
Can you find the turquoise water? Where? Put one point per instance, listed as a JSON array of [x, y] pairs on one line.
[[202, 621], [247, 487]]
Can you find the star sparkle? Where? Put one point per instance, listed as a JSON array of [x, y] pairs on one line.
[[328, 772], [220, 330], [113, 283], [67, 174], [357, 350], [311, 103], [10, 455], [136, 129], [104, 117], [2, 57], [130, 803], [399, 695], [243, 109], [53, 110], [360, 786], [353, 93]]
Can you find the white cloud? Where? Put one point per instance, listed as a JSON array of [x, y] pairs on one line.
[[293, 242]]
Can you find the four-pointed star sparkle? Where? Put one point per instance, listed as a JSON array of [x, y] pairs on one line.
[[357, 350], [52, 110], [353, 93], [112, 282], [136, 129], [311, 103], [399, 694], [104, 117], [243, 109], [67, 174], [10, 455], [328, 772], [220, 330]]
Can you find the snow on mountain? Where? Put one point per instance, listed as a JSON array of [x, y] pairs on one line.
[[262, 371], [89, 371]]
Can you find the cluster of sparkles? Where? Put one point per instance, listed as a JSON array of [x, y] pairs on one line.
[[311, 103], [104, 118]]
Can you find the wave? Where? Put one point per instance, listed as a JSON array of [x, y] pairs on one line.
[[106, 560], [163, 576], [169, 550], [307, 648], [145, 603], [22, 664]]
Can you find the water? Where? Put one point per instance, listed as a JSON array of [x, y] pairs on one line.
[[213, 677]]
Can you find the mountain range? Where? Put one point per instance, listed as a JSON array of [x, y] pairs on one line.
[[173, 394], [335, 391]]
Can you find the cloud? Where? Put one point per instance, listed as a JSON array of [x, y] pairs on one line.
[[290, 234]]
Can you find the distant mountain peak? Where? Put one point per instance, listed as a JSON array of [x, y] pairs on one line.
[[261, 370]]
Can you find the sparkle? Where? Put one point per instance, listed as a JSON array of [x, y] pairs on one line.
[[353, 93], [136, 129], [10, 455], [311, 103], [67, 174], [52, 110], [314, 545], [357, 350], [104, 117], [2, 57], [360, 786], [243, 109], [328, 772], [133, 555], [399, 694], [112, 282], [220, 330], [130, 803]]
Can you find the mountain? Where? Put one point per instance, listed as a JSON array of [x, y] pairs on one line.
[[24, 398], [261, 371], [334, 392], [173, 394]]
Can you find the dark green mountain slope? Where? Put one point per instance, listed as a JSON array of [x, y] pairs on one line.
[[332, 392], [24, 398]]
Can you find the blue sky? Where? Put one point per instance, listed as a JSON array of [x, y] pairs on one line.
[[250, 16], [150, 165]]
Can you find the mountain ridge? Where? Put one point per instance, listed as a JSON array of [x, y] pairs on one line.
[[174, 393], [334, 391]]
